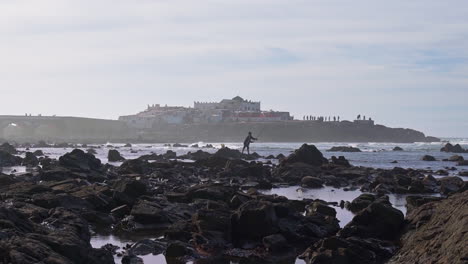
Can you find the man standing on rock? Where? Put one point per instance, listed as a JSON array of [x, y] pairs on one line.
[[249, 139]]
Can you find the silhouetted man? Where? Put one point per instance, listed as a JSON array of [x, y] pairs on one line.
[[249, 139]]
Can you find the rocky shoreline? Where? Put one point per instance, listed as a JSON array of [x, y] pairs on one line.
[[209, 210]]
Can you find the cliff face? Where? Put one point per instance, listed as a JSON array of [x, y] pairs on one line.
[[438, 233], [292, 131]]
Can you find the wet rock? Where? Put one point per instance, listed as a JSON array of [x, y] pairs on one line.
[[428, 158], [7, 159], [361, 202], [38, 153], [6, 179], [8, 148], [379, 220], [132, 259], [449, 185], [436, 232], [454, 149], [254, 220], [198, 155], [127, 191], [114, 156], [463, 173], [312, 182], [397, 149], [120, 211], [462, 163], [344, 149], [30, 160], [321, 208], [78, 159], [178, 145], [307, 154], [128, 145], [228, 153], [213, 229], [350, 250], [178, 249], [456, 158], [340, 161], [275, 243], [170, 154], [413, 201], [146, 247]]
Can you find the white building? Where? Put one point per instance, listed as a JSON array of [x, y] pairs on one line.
[[228, 110], [235, 104]]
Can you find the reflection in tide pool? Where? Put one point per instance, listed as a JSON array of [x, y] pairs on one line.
[[330, 194]]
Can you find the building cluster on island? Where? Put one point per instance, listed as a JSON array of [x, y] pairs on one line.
[[236, 109]]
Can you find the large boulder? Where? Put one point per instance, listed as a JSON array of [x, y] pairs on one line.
[[344, 149], [114, 156], [428, 158], [127, 191], [8, 148], [379, 220], [7, 159], [228, 153], [361, 202], [253, 221], [308, 154], [30, 160], [454, 149], [78, 159], [312, 182], [450, 185]]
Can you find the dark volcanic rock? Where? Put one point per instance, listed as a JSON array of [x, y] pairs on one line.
[[361, 202], [340, 161], [450, 185], [30, 160], [114, 156], [428, 158], [437, 233], [7, 159], [62, 237], [397, 149], [8, 148], [312, 182], [228, 153], [351, 250], [78, 159], [344, 149], [454, 149], [456, 158], [127, 191], [307, 154], [462, 163], [38, 153], [379, 220]]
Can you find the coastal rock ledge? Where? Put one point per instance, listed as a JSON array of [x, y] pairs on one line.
[[437, 233]]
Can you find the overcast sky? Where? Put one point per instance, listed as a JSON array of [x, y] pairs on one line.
[[403, 63]]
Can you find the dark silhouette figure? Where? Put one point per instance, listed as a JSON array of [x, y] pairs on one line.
[[358, 117], [249, 139]]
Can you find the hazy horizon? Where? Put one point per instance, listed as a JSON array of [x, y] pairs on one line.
[[403, 63]]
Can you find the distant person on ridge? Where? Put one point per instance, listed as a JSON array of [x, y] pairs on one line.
[[249, 139]]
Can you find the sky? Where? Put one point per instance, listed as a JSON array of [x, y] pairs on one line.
[[403, 63]]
